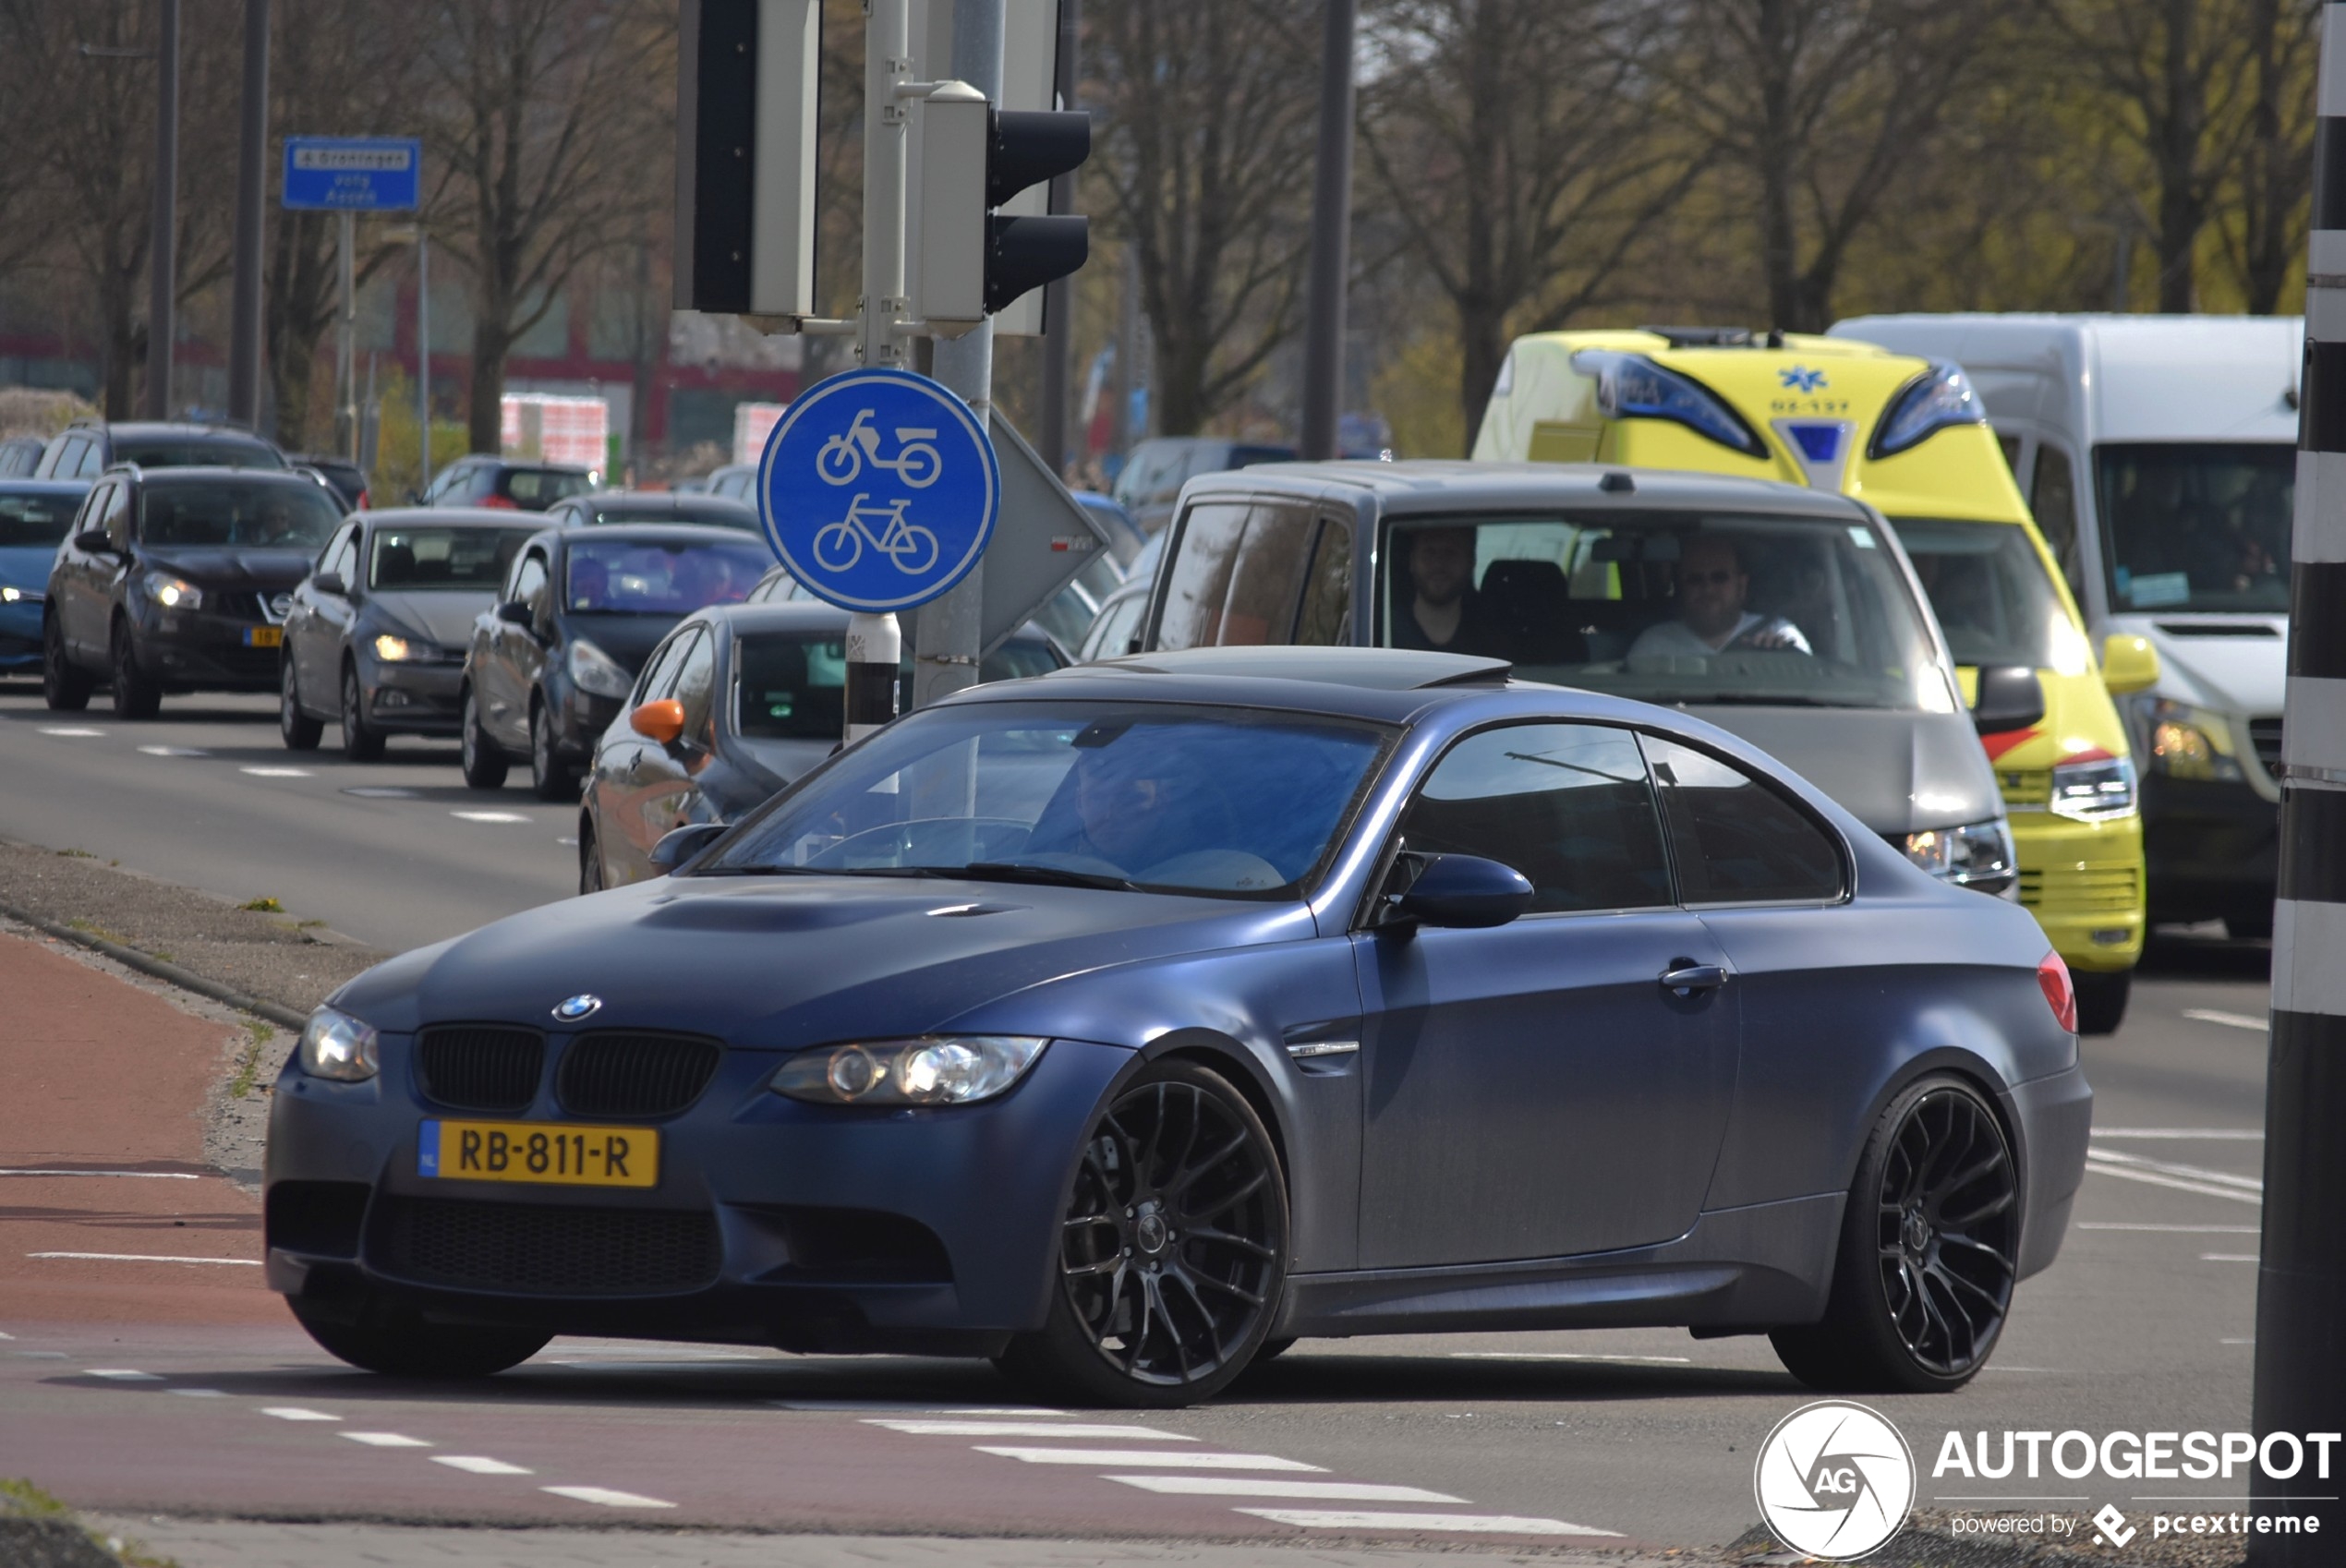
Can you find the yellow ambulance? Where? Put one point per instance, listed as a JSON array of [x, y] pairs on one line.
[[1910, 437]]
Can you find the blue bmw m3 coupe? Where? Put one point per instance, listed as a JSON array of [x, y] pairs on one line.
[[1126, 1024]]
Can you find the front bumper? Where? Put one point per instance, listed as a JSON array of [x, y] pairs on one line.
[[2083, 882], [773, 1221], [412, 698], [21, 636], [2054, 1115], [202, 649], [585, 718], [2213, 848]]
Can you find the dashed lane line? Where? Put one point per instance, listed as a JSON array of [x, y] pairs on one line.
[[607, 1497], [73, 731], [1030, 1428], [2180, 1178], [481, 1464], [386, 1439], [1471, 1523], [2230, 1020], [296, 1412], [278, 772], [2228, 1257], [1239, 1486], [489, 815], [121, 1374], [1175, 1460], [197, 1393], [174, 752], [875, 1406], [147, 1257]]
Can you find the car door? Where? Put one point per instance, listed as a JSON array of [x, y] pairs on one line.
[[515, 653], [319, 621], [659, 783], [108, 572], [1536, 1089], [75, 577]]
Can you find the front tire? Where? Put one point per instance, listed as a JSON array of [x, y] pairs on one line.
[[137, 694], [297, 730], [484, 765], [590, 859], [1172, 1255], [402, 1345], [548, 775], [1929, 1253], [2101, 998], [361, 741], [64, 686]]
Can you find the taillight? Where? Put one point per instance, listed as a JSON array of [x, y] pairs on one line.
[[2052, 976], [500, 503]]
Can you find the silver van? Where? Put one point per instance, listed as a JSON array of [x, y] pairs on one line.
[[1789, 616]]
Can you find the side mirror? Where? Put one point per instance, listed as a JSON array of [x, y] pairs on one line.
[[662, 721], [330, 583], [1463, 891], [93, 541], [2128, 664], [416, 498], [2010, 697], [515, 612], [680, 845]]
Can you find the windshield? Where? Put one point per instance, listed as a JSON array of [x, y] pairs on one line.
[[720, 514], [668, 578], [1229, 802], [472, 559], [265, 516], [1670, 607], [184, 453], [2197, 525], [1994, 599], [35, 520], [793, 685]]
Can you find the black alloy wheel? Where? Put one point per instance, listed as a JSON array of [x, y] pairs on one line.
[[590, 858], [137, 694], [64, 686], [361, 741], [402, 1344], [1929, 1253], [1172, 1256], [548, 775], [484, 765], [297, 730]]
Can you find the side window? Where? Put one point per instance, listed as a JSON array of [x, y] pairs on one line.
[[341, 555], [117, 521], [530, 582], [1325, 620], [660, 670], [1737, 842], [1568, 805], [1198, 578], [92, 461], [1261, 604], [94, 509], [695, 678], [2053, 498], [66, 460]]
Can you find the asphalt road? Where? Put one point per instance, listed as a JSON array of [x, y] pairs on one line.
[[2144, 1323]]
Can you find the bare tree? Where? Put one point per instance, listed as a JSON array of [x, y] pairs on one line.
[[1522, 146], [551, 116], [2266, 236], [1206, 150]]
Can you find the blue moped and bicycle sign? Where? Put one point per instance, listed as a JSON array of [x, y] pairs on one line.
[[878, 489]]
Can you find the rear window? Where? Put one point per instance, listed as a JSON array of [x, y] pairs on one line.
[[535, 489], [263, 515], [35, 521], [630, 578], [180, 451]]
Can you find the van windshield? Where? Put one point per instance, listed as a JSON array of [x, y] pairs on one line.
[[1670, 607], [2197, 524], [1994, 599]]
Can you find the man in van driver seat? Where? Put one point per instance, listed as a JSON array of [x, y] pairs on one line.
[[1713, 587], [1445, 614]]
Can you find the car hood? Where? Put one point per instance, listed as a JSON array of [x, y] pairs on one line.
[[229, 566], [446, 618], [629, 639], [1898, 773], [26, 566], [787, 961], [2231, 663]]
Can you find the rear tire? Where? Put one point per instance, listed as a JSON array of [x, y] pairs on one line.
[[297, 730], [2101, 998], [484, 765], [64, 686], [135, 693], [402, 1345], [1930, 1251], [548, 775], [360, 741]]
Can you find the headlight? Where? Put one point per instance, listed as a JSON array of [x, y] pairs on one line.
[[2182, 742], [946, 1070], [338, 1046], [11, 593], [174, 593], [1941, 396], [1977, 855], [591, 670], [393, 650], [2092, 788], [1634, 386]]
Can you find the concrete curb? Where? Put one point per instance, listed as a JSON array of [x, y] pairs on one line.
[[284, 1018]]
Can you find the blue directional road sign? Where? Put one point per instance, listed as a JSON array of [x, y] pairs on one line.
[[878, 489], [353, 174]]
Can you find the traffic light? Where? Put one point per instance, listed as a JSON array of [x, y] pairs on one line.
[[974, 261]]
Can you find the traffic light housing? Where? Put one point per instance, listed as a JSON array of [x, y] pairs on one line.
[[972, 259], [1025, 147]]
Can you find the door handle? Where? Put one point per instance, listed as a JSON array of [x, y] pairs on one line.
[[1685, 977]]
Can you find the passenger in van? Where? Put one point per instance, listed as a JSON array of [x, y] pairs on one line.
[[1446, 614], [1712, 585]]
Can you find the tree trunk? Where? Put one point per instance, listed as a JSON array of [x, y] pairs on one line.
[[486, 421], [1779, 229], [2181, 208], [2268, 246], [1483, 348]]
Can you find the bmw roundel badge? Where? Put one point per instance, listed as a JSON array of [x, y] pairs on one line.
[[578, 1007]]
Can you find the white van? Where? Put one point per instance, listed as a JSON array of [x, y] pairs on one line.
[[2158, 453]]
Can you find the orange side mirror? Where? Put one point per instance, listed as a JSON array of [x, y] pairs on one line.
[[662, 722]]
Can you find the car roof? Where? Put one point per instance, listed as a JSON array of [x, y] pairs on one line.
[[651, 502], [450, 517], [180, 429], [808, 615], [652, 534], [181, 473], [22, 486], [1424, 485]]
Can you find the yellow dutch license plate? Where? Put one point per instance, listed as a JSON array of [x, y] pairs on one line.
[[553, 1152], [264, 636]]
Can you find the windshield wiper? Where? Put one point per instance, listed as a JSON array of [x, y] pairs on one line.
[[1020, 871], [1770, 699]]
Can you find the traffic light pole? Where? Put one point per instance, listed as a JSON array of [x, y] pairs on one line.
[[162, 243]]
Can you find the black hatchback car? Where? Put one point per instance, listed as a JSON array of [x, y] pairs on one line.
[[506, 484], [550, 663], [88, 448], [178, 580]]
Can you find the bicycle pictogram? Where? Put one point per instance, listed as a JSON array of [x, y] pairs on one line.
[[843, 457], [839, 546]]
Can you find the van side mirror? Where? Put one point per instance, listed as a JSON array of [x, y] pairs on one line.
[[2010, 697], [680, 845], [2128, 664], [1461, 891]]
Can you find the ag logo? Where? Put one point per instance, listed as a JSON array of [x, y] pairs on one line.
[[1834, 1480]]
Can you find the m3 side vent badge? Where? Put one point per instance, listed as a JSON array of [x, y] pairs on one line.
[[576, 1007]]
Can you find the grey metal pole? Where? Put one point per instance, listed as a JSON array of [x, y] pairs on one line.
[[947, 635], [875, 642], [2301, 1277], [244, 328], [345, 352], [1058, 297], [161, 243], [1330, 236], [423, 355]]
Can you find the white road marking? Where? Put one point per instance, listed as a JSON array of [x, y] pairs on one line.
[[2173, 1230], [146, 1257], [2228, 1257], [1178, 1459], [385, 1440], [2213, 1134], [478, 1464], [43, 1355], [608, 1498], [143, 1175], [174, 752], [572, 842], [2181, 1178], [8, 1337], [197, 1393], [1240, 1486], [490, 816], [2235, 1341], [1474, 1524], [873, 1405], [1566, 1355], [379, 793], [121, 1374], [74, 731], [296, 1412], [278, 772], [1029, 1428], [2230, 1020]]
